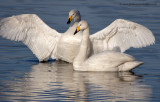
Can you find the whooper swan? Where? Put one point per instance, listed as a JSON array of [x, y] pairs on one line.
[[103, 61]]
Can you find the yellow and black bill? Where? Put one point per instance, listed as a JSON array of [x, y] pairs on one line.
[[69, 20], [77, 30]]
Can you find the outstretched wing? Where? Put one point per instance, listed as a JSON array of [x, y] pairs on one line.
[[121, 35], [33, 32]]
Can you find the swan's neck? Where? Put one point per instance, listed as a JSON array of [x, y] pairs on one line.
[[85, 38], [82, 54], [72, 28], [77, 19]]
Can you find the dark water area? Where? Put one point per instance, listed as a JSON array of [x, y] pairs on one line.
[[23, 78]]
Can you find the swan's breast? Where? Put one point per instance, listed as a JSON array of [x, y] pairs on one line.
[[68, 47]]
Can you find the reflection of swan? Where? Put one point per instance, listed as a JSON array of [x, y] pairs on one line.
[[121, 86], [58, 81], [104, 61]]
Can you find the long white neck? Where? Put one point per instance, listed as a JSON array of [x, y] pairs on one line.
[[82, 54], [77, 19]]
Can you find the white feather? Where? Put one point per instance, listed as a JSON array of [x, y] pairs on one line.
[[33, 32], [122, 34]]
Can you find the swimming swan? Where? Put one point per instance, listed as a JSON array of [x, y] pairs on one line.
[[46, 42], [104, 61]]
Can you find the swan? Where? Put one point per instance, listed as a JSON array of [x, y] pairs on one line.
[[42, 40], [104, 61], [46, 42]]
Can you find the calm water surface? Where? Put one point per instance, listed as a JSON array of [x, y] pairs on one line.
[[23, 78]]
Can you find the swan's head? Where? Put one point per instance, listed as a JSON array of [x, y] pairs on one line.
[[74, 14], [82, 25]]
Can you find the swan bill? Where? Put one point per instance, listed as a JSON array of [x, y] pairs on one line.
[[77, 30], [69, 20]]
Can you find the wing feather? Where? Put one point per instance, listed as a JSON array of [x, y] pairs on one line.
[[122, 34], [33, 32]]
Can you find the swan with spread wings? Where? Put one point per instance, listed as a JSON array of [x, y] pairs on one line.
[[102, 61], [46, 42]]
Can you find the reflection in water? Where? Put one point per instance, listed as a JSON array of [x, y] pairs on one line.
[[58, 81]]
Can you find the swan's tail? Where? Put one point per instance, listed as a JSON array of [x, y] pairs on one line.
[[129, 65]]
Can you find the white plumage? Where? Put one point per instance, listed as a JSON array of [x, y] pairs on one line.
[[122, 34], [33, 32], [104, 61], [42, 40], [46, 42]]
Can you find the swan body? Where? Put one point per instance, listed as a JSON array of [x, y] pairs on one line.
[[104, 61], [46, 42]]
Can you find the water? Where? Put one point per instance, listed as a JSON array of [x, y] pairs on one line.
[[23, 78]]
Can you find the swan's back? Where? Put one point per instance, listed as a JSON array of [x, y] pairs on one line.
[[106, 61]]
